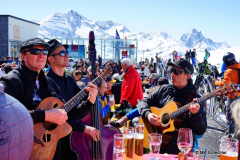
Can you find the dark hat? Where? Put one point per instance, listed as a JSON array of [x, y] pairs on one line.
[[183, 64], [29, 43], [163, 80], [54, 44]]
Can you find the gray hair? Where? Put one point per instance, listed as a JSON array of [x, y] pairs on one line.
[[127, 61], [116, 76]]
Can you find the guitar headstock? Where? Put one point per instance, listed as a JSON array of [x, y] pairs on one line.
[[106, 72], [229, 88]]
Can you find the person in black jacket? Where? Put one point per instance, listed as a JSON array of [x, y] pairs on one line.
[[58, 60], [28, 84], [179, 91], [187, 55], [116, 88], [3, 60], [100, 61], [193, 54]]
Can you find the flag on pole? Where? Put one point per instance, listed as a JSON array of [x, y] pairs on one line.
[[125, 41], [117, 45], [117, 35]]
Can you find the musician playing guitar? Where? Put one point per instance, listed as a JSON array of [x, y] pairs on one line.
[[29, 85], [179, 91], [58, 60]]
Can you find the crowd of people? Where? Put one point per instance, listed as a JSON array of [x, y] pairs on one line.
[[43, 72]]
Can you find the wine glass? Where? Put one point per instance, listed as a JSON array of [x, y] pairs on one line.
[[185, 140]]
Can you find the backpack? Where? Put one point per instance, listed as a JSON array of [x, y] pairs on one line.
[[16, 125], [208, 54]]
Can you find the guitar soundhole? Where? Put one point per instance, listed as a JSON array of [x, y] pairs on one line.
[[55, 105], [46, 137], [165, 118], [51, 127]]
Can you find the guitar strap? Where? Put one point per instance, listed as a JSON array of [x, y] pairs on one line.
[[177, 123], [53, 92]]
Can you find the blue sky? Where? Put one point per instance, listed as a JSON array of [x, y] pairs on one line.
[[216, 19]]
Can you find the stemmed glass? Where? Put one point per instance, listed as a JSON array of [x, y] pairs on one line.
[[185, 140]]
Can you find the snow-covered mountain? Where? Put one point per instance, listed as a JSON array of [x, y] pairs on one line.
[[157, 42], [195, 39], [74, 25]]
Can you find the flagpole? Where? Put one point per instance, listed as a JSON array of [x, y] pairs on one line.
[[124, 41]]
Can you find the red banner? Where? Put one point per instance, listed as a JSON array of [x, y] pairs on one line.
[[125, 53], [74, 48]]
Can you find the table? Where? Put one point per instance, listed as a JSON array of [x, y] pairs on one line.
[[162, 156]]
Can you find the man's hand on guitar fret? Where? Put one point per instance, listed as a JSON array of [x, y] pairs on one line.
[[92, 89], [194, 108], [93, 132], [153, 119], [57, 116]]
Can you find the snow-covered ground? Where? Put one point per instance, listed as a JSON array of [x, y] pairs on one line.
[[217, 55]]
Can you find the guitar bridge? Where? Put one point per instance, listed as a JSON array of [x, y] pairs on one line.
[[37, 140]]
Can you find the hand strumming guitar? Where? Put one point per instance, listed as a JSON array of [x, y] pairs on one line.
[[92, 89], [153, 119], [57, 116], [93, 132], [194, 108]]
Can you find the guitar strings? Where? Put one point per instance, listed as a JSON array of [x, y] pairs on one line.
[[184, 108]]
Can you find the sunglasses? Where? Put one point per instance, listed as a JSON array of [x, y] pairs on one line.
[[62, 53], [37, 51], [176, 72]]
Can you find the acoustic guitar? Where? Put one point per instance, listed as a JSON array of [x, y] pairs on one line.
[[46, 135], [170, 113]]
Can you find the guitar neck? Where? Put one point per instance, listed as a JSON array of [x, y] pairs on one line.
[[183, 109], [78, 97]]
